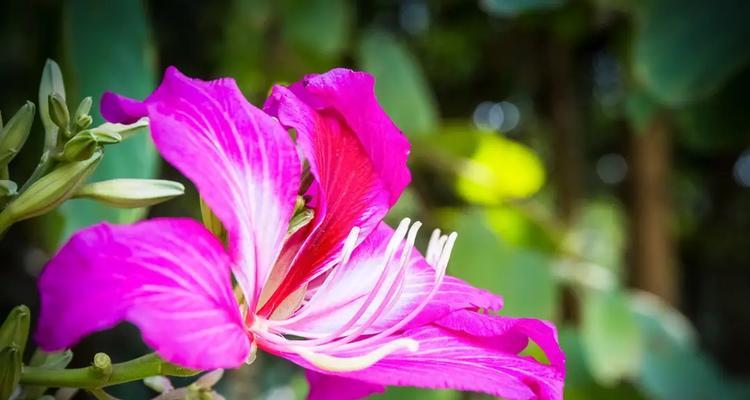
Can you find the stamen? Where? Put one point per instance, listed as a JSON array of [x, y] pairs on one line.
[[390, 251], [346, 252], [348, 364], [432, 246], [439, 275]]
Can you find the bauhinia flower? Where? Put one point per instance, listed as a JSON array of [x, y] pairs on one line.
[[345, 296]]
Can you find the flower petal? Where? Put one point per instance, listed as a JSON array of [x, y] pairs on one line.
[[243, 162], [352, 95], [326, 387], [463, 360], [347, 190], [177, 291], [353, 282]]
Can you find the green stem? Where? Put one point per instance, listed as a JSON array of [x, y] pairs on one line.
[[94, 377]]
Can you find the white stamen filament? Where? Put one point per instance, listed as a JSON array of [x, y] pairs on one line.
[[345, 338]]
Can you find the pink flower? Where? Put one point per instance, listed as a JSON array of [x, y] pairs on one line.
[[346, 296]]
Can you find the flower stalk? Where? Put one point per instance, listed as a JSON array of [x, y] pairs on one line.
[[103, 373]]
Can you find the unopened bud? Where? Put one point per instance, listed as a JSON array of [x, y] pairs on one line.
[[299, 220], [104, 136], [51, 83], [84, 107], [10, 371], [15, 329], [51, 361], [8, 188], [131, 193], [124, 130], [58, 111], [15, 132], [84, 121], [50, 191], [80, 147]]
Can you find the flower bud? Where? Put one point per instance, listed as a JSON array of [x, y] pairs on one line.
[[15, 132], [131, 193], [10, 371], [15, 329], [84, 107], [124, 130], [50, 191], [58, 111], [80, 147], [51, 83], [84, 121], [51, 361]]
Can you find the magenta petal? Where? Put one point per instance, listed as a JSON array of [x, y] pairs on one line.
[[242, 161], [352, 95], [462, 360], [177, 291], [121, 109], [326, 387], [354, 282], [347, 190]]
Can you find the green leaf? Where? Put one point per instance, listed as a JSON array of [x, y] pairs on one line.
[[611, 337], [598, 234], [523, 277], [686, 50], [110, 49], [510, 8], [401, 86], [320, 27], [499, 170]]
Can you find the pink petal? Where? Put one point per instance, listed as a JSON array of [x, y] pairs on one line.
[[344, 296], [170, 277], [326, 387], [243, 162], [347, 191], [352, 95], [462, 360]]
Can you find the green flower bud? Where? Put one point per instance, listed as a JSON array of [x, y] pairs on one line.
[[124, 130], [131, 193], [104, 136], [15, 133], [84, 121], [51, 83], [80, 147], [15, 329], [50, 191], [10, 371], [84, 107], [8, 188], [299, 220], [58, 111]]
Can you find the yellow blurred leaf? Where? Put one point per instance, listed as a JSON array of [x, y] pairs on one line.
[[499, 170]]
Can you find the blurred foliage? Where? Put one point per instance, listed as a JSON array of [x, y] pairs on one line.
[[585, 78]]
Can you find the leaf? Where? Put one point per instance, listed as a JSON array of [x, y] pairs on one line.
[[110, 49], [523, 277], [685, 51], [499, 170], [673, 366], [598, 234], [320, 27], [510, 8], [611, 337], [400, 85]]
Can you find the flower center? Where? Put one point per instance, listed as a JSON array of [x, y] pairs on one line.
[[354, 345]]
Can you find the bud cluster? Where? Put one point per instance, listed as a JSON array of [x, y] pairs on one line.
[[73, 149]]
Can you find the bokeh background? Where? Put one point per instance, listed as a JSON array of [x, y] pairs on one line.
[[593, 156]]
